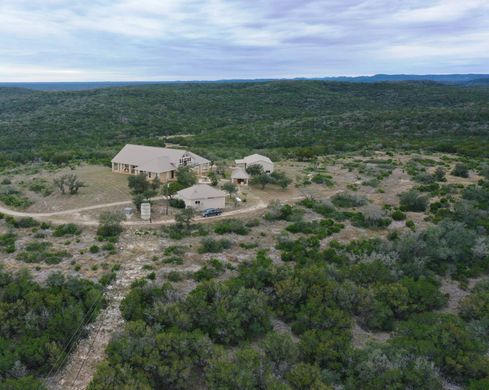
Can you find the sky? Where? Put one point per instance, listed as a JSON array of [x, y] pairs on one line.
[[163, 40]]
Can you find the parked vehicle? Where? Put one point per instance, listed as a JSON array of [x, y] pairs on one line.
[[211, 212]]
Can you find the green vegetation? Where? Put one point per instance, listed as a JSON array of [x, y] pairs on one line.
[[68, 183], [110, 225], [321, 229], [290, 316], [348, 199], [7, 242], [235, 226], [142, 189], [211, 245], [263, 179], [38, 323], [380, 284], [39, 251], [299, 118], [211, 270], [69, 229], [460, 170], [413, 201]]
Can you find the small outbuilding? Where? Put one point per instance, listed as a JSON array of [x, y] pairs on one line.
[[240, 177], [256, 159], [203, 196]]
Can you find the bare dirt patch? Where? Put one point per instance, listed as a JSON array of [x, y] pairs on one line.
[[361, 336]]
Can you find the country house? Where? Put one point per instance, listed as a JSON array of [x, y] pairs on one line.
[[157, 163]]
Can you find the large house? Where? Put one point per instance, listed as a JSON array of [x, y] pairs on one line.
[[256, 159], [203, 196], [157, 163]]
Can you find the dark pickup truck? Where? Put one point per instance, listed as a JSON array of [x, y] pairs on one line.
[[211, 212]]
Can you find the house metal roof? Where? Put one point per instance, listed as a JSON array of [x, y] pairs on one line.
[[154, 159], [201, 191], [252, 159]]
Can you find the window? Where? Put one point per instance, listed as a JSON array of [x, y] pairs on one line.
[[197, 202], [185, 160]]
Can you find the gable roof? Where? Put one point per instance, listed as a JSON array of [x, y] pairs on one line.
[[154, 159], [239, 173], [201, 191], [253, 158], [159, 164]]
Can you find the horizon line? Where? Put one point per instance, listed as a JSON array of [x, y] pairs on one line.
[[251, 79]]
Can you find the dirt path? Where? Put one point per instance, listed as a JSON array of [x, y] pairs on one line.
[[81, 366], [14, 213], [74, 216]]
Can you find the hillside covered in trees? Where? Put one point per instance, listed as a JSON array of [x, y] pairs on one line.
[[295, 118]]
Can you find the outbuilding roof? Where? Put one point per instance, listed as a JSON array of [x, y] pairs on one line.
[[252, 159], [201, 191], [154, 159], [239, 173]]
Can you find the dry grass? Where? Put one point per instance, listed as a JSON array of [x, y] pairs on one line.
[[103, 186]]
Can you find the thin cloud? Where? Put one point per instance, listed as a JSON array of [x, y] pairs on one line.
[[42, 40]]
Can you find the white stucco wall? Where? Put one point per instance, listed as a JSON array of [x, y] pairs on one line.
[[267, 167], [205, 203]]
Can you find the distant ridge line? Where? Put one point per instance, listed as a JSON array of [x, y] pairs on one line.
[[460, 79]]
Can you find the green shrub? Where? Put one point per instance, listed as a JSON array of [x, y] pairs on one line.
[[460, 170], [26, 223], [410, 224], [110, 224], [212, 269], [348, 199], [175, 250], [174, 276], [15, 200], [7, 242], [252, 222], [413, 201], [107, 278], [398, 215], [94, 249], [210, 245], [109, 246], [38, 322], [447, 341], [231, 226], [177, 260], [48, 256], [322, 229], [322, 179], [176, 203], [276, 211], [69, 229], [37, 246]]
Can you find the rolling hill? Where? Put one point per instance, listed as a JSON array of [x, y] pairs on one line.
[[227, 118]]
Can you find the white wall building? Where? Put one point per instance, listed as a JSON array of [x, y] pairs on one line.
[[256, 159], [203, 196]]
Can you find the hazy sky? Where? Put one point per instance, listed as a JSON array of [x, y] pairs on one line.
[[89, 40]]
